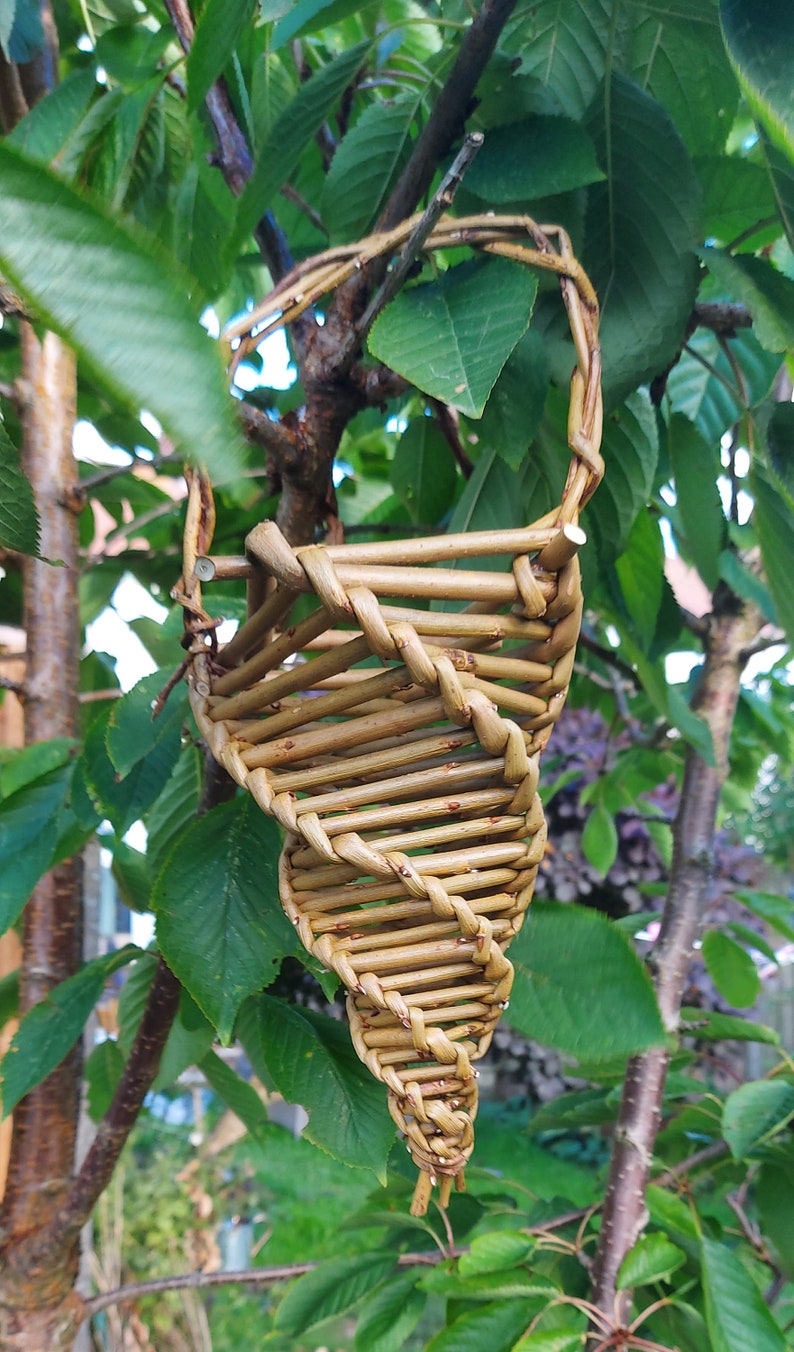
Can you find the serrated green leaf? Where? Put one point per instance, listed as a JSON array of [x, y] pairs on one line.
[[676, 53], [711, 1025], [767, 293], [781, 177], [566, 48], [776, 910], [308, 16], [550, 1340], [673, 1214], [631, 451], [50, 1029], [774, 523], [580, 1108], [755, 1112], [124, 801], [33, 762], [241, 1097], [511, 1284], [708, 394], [731, 969], [534, 158], [579, 986], [692, 727], [746, 584], [423, 473], [759, 36], [331, 1289], [737, 196], [774, 1195], [600, 839], [495, 1251], [132, 1000], [640, 572], [44, 131], [130, 869], [515, 405], [736, 1315], [780, 444], [220, 926], [312, 1062], [365, 166], [495, 1327], [19, 517], [451, 338], [175, 808], [283, 146], [652, 1259], [121, 303], [28, 832], [102, 1072], [641, 228], [390, 1314], [134, 733], [9, 996], [217, 33], [695, 466]]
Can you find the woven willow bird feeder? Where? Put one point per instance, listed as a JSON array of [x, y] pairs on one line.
[[396, 741]]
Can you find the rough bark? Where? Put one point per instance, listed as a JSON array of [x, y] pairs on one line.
[[730, 636], [34, 1297]]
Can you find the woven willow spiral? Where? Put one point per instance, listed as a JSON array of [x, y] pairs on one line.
[[394, 730]]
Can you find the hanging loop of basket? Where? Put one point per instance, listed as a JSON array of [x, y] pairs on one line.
[[387, 704]]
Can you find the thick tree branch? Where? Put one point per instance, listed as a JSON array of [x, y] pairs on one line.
[[721, 317], [730, 634]]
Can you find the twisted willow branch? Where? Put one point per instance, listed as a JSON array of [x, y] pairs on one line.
[[399, 745]]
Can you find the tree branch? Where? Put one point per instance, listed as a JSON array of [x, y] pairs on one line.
[[449, 427], [721, 317], [625, 1213]]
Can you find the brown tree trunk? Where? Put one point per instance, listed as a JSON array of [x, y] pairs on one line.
[[36, 1310]]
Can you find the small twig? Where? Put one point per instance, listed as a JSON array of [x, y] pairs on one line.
[[712, 370], [16, 687], [292, 195], [440, 202], [106, 476], [449, 427], [265, 1276], [94, 696], [610, 657], [751, 230]]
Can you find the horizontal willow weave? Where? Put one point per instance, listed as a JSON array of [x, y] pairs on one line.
[[398, 745]]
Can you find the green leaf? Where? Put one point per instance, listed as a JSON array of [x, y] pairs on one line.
[[640, 572], [102, 1073], [329, 1290], [50, 1029], [676, 54], [390, 1314], [673, 1214], [759, 36], [780, 444], [220, 926], [755, 1112], [312, 1062], [134, 733], [423, 473], [365, 166], [282, 147], [495, 1327], [566, 48], [731, 969], [640, 231], [133, 997], [117, 299], [737, 196], [692, 727], [712, 1026], [780, 169], [514, 410], [44, 131], [776, 910], [7, 9], [746, 584], [736, 1315], [33, 762], [19, 517], [695, 467], [580, 1108], [550, 1340], [752, 940], [631, 450], [28, 832], [767, 293], [773, 518], [774, 1195], [534, 158], [175, 808], [652, 1259], [600, 839], [130, 869], [708, 394], [451, 338], [241, 1097], [495, 1251], [218, 31], [187, 1044], [9, 997], [124, 801], [579, 985]]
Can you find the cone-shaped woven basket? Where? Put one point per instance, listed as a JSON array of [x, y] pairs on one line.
[[397, 740]]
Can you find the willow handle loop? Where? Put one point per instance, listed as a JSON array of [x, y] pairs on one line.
[[397, 744]]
